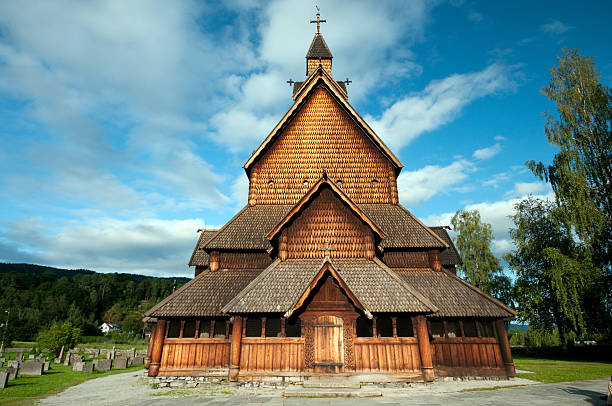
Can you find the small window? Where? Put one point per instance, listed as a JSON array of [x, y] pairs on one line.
[[486, 329], [189, 329], [339, 182], [253, 328], [220, 329], [174, 331], [364, 327], [469, 328], [293, 328], [273, 327], [384, 327], [374, 182], [305, 182], [452, 329], [404, 327], [270, 182], [204, 328], [437, 329]]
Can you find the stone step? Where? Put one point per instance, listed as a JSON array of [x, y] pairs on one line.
[[299, 392], [332, 384]]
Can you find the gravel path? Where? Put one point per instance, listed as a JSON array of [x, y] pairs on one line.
[[132, 389]]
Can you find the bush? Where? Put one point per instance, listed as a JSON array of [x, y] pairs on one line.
[[517, 337], [57, 336]]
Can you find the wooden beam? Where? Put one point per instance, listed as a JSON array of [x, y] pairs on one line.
[[158, 346], [424, 349], [235, 349], [150, 347], [504, 346]]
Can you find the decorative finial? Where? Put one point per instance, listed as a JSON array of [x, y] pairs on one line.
[[318, 21], [291, 82], [348, 82]]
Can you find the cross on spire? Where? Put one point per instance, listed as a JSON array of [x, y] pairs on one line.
[[348, 82], [318, 21], [291, 82], [327, 248]]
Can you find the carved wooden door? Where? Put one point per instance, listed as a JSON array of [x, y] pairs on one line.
[[328, 344]]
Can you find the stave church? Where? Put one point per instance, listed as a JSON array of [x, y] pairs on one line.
[[324, 272]]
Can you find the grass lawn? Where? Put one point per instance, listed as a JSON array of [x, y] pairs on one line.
[[550, 370], [25, 389]]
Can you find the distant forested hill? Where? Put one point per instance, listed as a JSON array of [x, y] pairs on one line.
[[36, 295]]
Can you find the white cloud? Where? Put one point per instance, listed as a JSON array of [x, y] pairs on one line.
[[499, 138], [487, 153], [422, 184], [240, 190], [555, 27], [475, 16], [440, 103], [528, 188]]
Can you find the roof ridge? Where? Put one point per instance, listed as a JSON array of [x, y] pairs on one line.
[[423, 225], [485, 295], [172, 295], [251, 284], [420, 297], [200, 243], [226, 224]]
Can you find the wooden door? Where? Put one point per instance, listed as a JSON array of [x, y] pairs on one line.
[[328, 344]]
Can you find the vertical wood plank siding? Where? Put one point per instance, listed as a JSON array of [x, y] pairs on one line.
[[244, 260], [321, 137], [467, 352], [326, 219], [396, 354], [195, 354], [272, 354]]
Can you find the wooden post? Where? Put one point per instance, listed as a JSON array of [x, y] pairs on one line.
[[213, 261], [374, 331], [197, 331], [394, 321], [504, 346], [424, 349], [158, 346], [236, 347], [263, 327], [150, 347], [434, 260]]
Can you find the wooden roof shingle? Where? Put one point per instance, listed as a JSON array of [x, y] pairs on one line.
[[449, 256], [199, 257]]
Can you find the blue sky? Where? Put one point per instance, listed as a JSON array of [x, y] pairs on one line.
[[124, 125]]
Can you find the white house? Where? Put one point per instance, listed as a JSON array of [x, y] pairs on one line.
[[109, 327]]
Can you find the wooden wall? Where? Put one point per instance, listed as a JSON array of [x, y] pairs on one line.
[[192, 353], [322, 137], [327, 219], [406, 259], [393, 354], [466, 352], [244, 260], [272, 354]]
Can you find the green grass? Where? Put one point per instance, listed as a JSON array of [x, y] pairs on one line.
[[24, 390], [550, 370]]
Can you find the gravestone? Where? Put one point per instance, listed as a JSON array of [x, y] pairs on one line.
[[46, 366], [1, 363], [12, 372], [31, 367], [13, 363], [31, 356], [3, 379], [102, 364], [57, 360], [120, 363], [67, 361], [88, 368], [19, 357], [78, 366], [137, 361]]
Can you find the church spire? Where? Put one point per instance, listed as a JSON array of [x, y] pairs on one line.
[[318, 53]]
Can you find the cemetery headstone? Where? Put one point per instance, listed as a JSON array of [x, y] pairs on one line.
[[1, 362], [120, 363], [61, 354], [3, 379], [12, 372], [88, 367], [19, 357], [31, 367], [31, 356], [57, 361], [46, 366], [78, 366], [13, 363], [102, 364], [67, 361], [137, 361]]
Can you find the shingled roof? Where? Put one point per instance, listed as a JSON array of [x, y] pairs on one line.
[[205, 295], [449, 256], [280, 286], [318, 48], [298, 85], [199, 257], [453, 296]]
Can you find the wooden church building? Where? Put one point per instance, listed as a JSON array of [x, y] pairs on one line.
[[324, 271]]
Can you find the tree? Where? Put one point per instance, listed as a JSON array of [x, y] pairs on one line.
[[551, 267], [581, 171], [57, 336], [480, 267]]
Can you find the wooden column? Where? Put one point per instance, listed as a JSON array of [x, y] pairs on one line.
[[424, 349], [158, 346], [150, 346], [213, 261], [504, 346], [235, 350], [434, 260]]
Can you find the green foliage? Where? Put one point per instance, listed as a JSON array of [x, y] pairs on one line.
[[480, 267], [539, 337], [516, 337], [581, 171], [552, 269], [37, 296], [57, 336]]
